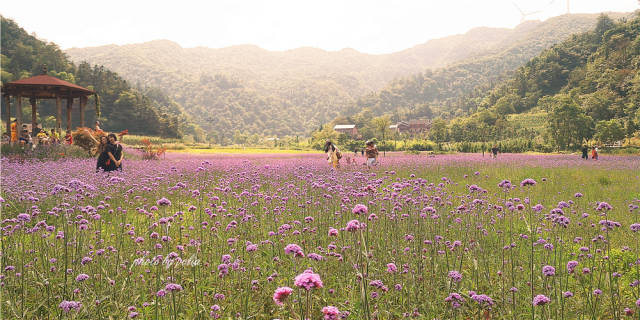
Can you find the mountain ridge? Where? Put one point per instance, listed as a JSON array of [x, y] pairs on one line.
[[305, 87]]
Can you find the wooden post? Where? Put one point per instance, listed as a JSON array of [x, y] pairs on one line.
[[83, 103], [58, 114], [19, 115], [69, 104], [34, 114], [7, 114]]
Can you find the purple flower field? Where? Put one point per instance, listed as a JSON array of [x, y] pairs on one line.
[[285, 236]]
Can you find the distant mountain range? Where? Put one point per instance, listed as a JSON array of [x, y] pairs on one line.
[[123, 107], [247, 88]]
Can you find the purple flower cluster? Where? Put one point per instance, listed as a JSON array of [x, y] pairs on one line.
[[455, 299], [330, 313], [294, 249], [483, 300], [281, 294], [548, 271], [528, 182], [455, 276], [308, 280], [67, 306], [540, 300]]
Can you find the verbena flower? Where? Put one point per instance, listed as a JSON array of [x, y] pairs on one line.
[[308, 280], [528, 182], [455, 276], [281, 294], [173, 287], [163, 202], [540, 300], [67, 306], [360, 209], [294, 250], [482, 299], [330, 313], [82, 277], [455, 299], [353, 225], [548, 271]]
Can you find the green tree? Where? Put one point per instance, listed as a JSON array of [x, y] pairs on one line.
[[508, 104], [597, 105], [438, 132], [319, 137], [381, 125], [609, 131], [604, 24], [240, 137], [567, 123], [630, 128]]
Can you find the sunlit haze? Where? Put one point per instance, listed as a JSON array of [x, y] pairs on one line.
[[366, 25]]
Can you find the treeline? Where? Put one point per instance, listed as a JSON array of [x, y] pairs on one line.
[[585, 89], [293, 92], [588, 87], [122, 106], [458, 89]]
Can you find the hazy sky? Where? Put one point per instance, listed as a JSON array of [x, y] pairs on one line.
[[370, 26]]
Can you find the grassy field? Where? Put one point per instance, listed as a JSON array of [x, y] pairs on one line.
[[257, 236]]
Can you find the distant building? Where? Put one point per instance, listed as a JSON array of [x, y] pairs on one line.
[[418, 126], [412, 126], [403, 126], [348, 129]]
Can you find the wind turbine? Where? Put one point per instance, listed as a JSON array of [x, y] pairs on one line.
[[524, 15], [568, 5]]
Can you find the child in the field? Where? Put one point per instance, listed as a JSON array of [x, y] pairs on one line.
[[372, 153], [333, 154]]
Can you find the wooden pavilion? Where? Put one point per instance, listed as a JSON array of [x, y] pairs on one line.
[[44, 87]]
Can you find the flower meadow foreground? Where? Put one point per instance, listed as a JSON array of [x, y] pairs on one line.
[[286, 237]]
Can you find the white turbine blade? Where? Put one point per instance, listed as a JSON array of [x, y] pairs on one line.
[[520, 10]]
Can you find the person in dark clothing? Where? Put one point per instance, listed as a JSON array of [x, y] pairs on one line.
[[362, 152], [114, 151], [103, 156], [585, 152], [36, 129], [494, 151]]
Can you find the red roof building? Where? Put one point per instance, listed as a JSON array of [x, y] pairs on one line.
[[44, 87], [413, 126]]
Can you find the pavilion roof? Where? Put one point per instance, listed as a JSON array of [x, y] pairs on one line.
[[45, 86]]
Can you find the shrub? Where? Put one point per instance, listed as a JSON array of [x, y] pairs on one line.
[[151, 152], [43, 152], [87, 139]]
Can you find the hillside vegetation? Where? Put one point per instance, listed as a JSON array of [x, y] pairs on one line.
[[587, 87], [246, 88], [122, 106]]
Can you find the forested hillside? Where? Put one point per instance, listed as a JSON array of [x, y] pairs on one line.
[[587, 87], [294, 92], [122, 106], [449, 92]]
